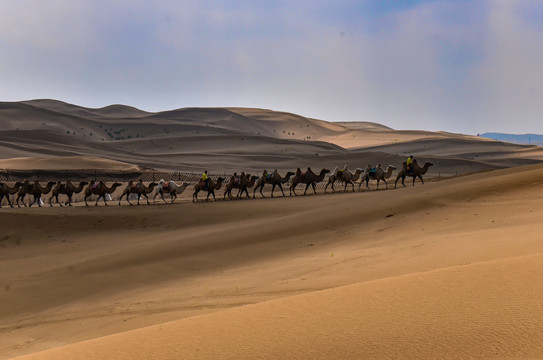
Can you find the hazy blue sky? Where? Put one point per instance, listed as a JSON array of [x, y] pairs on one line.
[[461, 66]]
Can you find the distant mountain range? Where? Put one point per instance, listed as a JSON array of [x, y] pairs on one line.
[[531, 139]]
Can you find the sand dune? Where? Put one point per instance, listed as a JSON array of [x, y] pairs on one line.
[[236, 139], [445, 270]]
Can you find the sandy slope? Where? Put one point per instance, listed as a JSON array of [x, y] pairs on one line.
[[235, 139], [65, 162], [445, 270]]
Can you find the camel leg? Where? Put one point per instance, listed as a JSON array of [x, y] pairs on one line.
[[69, 202], [420, 177], [292, 189], [194, 196], [313, 186], [162, 196], [173, 196], [9, 201], [58, 201], [96, 204], [281, 188], [85, 198], [306, 187], [262, 187], [104, 197], [273, 188], [213, 193]]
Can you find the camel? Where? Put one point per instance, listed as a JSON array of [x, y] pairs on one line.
[[138, 189], [274, 178], [365, 176], [68, 189], [99, 189], [241, 182], [380, 174], [308, 178], [345, 176], [25, 188], [416, 172], [211, 187], [37, 190], [6, 191], [171, 188]]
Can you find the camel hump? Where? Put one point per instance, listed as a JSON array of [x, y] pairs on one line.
[[165, 184]]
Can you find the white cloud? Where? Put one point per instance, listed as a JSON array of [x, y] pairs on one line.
[[439, 65]]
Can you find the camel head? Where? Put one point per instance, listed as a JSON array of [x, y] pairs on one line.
[[83, 183], [115, 184], [185, 183], [220, 179], [153, 184], [290, 173]]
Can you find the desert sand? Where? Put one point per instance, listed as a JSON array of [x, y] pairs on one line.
[[448, 269]]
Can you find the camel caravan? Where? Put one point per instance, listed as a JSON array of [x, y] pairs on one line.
[[241, 182]]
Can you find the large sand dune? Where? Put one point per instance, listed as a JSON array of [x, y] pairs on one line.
[[235, 139], [445, 270]]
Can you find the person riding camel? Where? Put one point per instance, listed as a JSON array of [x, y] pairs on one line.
[[409, 163], [205, 179]]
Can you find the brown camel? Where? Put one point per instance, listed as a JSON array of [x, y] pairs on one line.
[[345, 176], [309, 178], [37, 190], [67, 189], [26, 188], [365, 176], [139, 188], [6, 191], [241, 182], [99, 189], [211, 187], [415, 172], [171, 188], [380, 174], [274, 178]]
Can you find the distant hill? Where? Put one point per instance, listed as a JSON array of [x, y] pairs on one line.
[[530, 139], [232, 139]]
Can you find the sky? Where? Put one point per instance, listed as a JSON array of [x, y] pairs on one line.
[[459, 66]]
